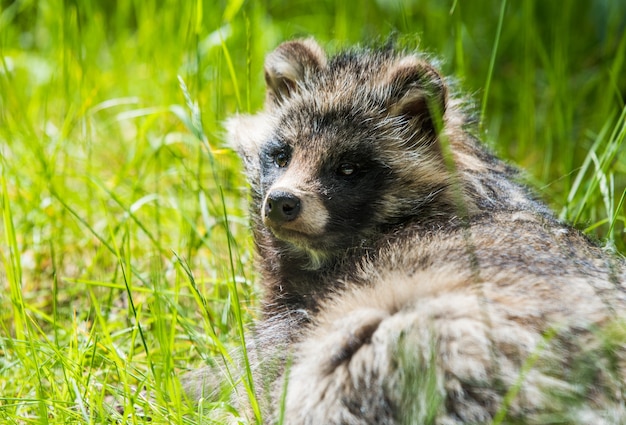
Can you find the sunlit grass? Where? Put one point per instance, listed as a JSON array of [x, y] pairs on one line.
[[124, 243]]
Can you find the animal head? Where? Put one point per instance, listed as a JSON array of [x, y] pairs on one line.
[[346, 146]]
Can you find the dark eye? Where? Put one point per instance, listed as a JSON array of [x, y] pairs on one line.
[[347, 169], [281, 159]]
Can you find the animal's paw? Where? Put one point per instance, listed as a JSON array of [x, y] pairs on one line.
[[336, 377], [350, 335]]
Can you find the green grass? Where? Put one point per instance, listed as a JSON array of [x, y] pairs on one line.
[[125, 251]]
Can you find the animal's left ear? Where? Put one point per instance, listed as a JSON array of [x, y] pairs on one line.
[[418, 92]]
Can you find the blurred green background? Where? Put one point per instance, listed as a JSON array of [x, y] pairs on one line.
[[124, 241]]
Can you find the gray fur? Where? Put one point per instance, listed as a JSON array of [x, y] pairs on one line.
[[451, 296]]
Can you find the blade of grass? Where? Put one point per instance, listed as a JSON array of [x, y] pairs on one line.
[[236, 307], [492, 63]]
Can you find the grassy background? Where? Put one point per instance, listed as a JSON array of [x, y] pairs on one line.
[[124, 246]]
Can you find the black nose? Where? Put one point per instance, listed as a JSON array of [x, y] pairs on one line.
[[281, 207]]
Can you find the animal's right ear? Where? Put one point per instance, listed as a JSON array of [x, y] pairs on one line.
[[288, 65]]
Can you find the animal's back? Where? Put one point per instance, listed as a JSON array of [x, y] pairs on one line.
[[505, 316]]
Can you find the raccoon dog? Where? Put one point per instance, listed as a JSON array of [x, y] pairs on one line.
[[408, 278]]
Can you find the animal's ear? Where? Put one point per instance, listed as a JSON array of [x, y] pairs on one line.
[[418, 92], [291, 63]]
